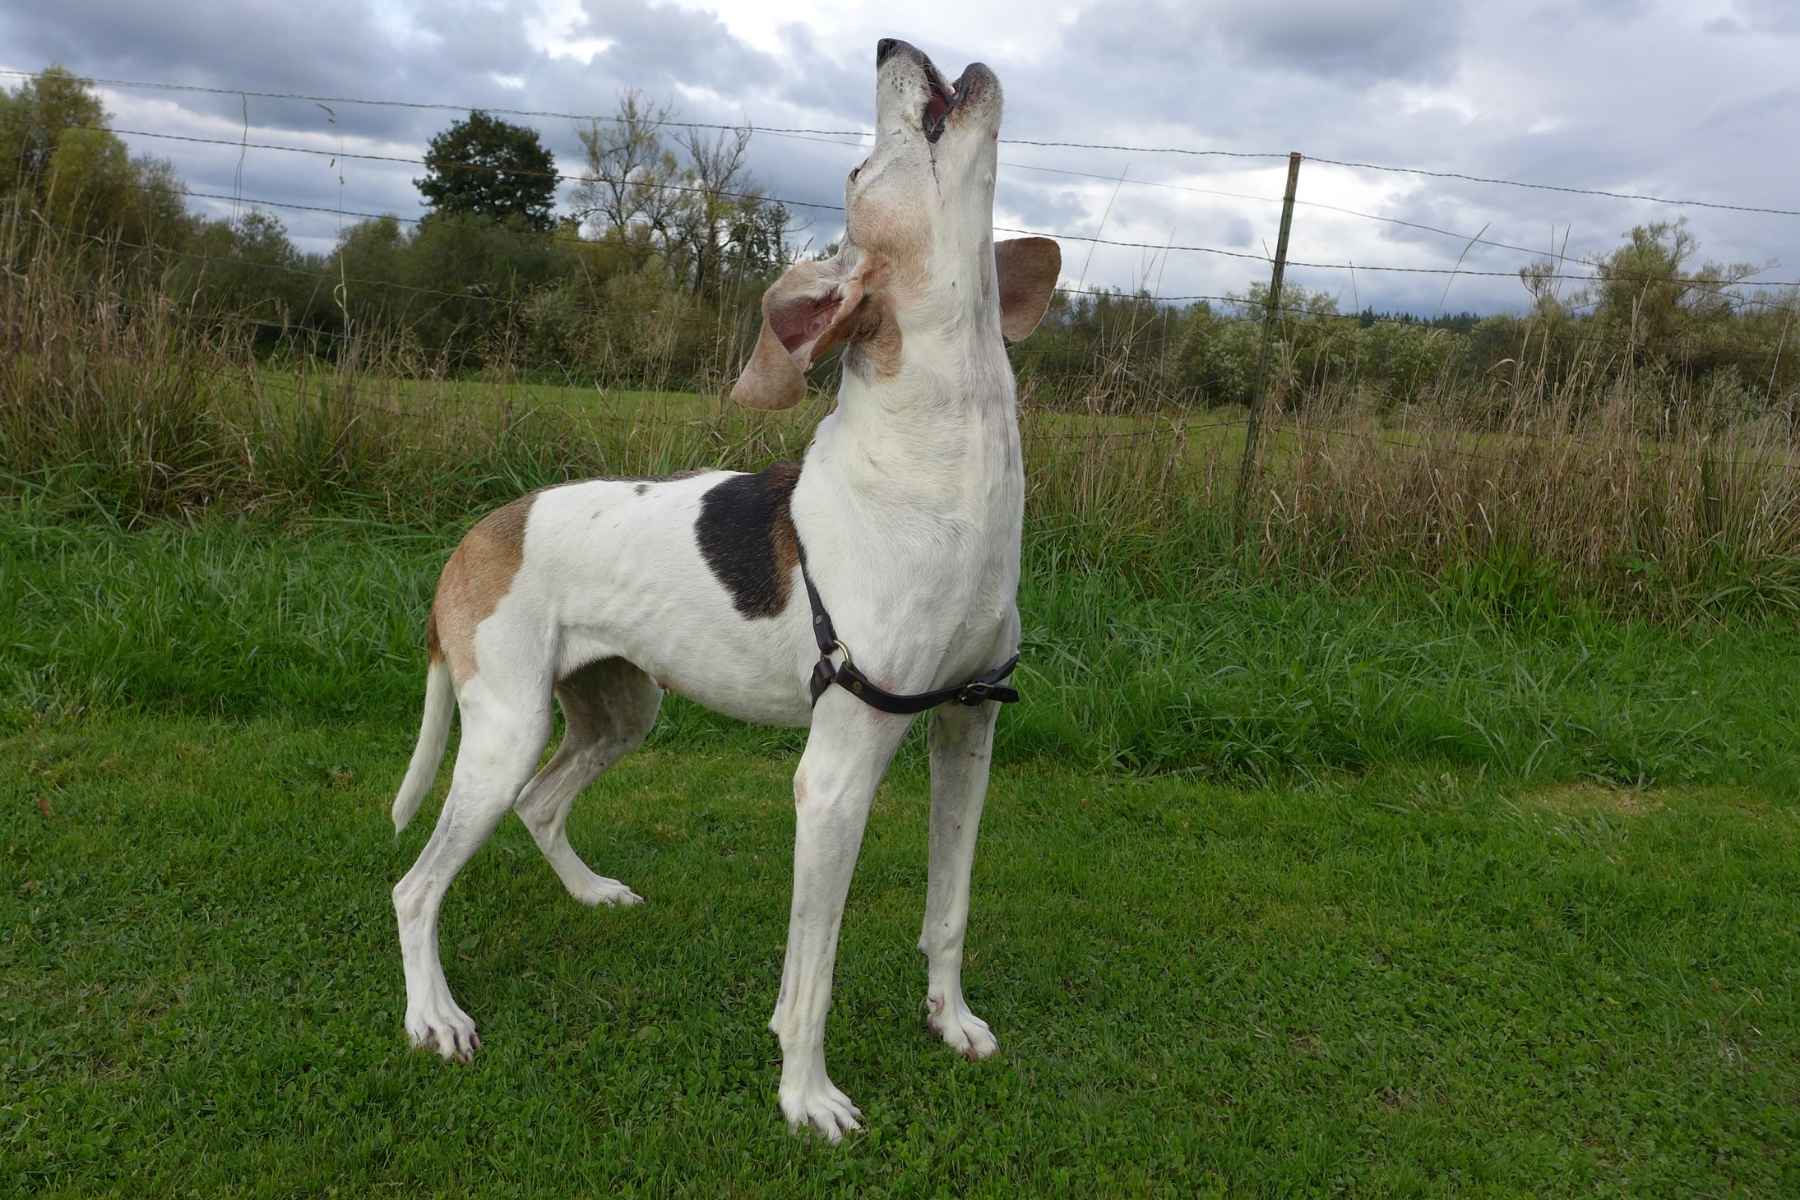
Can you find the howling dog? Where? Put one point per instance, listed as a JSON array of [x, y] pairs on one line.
[[897, 537]]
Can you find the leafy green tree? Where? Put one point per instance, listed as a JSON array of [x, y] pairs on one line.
[[251, 269], [158, 214], [56, 157], [361, 278], [716, 181], [32, 122], [1648, 287], [89, 181], [486, 167], [477, 272]]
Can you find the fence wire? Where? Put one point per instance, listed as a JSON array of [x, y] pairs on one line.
[[1163, 247], [778, 130], [1247, 310]]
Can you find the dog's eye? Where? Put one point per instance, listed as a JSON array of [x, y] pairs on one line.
[[855, 171]]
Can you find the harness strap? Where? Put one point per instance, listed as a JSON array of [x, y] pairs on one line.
[[846, 674]]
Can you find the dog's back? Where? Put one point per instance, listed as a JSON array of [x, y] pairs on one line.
[[671, 575]]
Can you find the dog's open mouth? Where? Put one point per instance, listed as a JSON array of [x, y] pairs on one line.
[[940, 101]]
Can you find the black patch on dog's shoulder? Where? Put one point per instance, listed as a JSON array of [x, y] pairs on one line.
[[747, 537]]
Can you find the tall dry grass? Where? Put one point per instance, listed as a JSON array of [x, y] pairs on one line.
[[116, 389], [1657, 490], [1633, 488]]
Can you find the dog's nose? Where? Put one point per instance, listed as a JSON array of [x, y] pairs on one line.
[[883, 48]]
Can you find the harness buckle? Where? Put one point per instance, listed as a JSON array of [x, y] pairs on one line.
[[973, 694]]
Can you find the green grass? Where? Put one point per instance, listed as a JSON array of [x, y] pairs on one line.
[[1409, 983], [1396, 889], [1170, 669]]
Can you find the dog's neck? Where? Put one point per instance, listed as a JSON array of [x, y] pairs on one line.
[[929, 436], [937, 424]]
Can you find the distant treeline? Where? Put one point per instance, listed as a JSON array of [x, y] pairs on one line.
[[1651, 309]]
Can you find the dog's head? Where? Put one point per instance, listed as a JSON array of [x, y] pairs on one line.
[[918, 258]]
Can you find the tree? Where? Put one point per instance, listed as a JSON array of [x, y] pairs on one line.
[[90, 179], [491, 168], [249, 268], [159, 214], [628, 170], [57, 157], [716, 181], [33, 121], [375, 254], [1647, 286], [756, 245]]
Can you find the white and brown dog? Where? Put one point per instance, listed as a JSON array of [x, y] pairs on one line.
[[905, 514]]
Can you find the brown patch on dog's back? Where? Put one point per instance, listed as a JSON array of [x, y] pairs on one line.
[[746, 534], [477, 577]]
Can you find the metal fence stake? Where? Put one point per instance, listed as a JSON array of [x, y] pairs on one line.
[[1260, 386]]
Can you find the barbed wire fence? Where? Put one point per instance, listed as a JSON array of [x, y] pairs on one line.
[[1265, 313]]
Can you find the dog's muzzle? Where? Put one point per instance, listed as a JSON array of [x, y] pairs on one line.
[[942, 97]]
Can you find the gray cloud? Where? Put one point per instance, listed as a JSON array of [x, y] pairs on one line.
[[1569, 12], [1363, 42], [1768, 16], [666, 45]]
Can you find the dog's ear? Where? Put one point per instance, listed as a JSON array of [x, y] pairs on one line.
[[806, 313], [1026, 269]]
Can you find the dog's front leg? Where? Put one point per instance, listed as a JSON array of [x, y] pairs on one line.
[[962, 742], [846, 754]]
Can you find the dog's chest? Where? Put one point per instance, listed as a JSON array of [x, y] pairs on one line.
[[918, 556]]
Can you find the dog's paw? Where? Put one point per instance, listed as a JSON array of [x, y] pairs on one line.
[[443, 1027], [601, 890], [962, 1030], [821, 1108]]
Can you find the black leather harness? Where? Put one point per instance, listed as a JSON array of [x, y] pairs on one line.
[[847, 676]]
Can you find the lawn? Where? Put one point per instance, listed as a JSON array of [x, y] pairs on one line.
[[1386, 891], [1409, 983]]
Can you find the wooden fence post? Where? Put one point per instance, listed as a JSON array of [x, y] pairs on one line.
[[1271, 314]]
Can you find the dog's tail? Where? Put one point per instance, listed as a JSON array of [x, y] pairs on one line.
[[434, 732]]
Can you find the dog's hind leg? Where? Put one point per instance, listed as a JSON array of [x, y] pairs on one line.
[[962, 742], [503, 734], [609, 707]]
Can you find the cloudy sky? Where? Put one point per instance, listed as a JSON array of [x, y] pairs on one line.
[[1696, 99]]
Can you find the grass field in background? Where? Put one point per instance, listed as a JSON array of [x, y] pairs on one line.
[[1216, 432], [1416, 982], [607, 408]]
